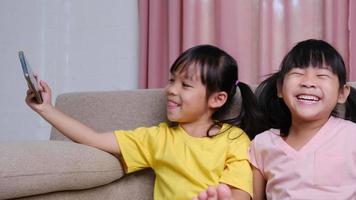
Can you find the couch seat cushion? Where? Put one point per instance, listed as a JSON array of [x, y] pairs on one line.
[[39, 167]]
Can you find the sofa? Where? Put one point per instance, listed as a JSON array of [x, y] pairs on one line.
[[61, 169]]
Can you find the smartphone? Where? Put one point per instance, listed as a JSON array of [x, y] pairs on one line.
[[30, 78]]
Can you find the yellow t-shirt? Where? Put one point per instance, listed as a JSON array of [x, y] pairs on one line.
[[186, 165]]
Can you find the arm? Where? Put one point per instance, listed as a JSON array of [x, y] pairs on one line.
[[259, 185], [68, 126]]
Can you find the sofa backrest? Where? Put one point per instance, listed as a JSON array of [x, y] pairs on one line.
[[107, 111], [111, 110]]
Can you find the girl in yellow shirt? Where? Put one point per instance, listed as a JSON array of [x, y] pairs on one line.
[[200, 146]]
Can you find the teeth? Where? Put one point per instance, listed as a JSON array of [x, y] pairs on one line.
[[308, 98]]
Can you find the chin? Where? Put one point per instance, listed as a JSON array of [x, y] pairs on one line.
[[172, 119]]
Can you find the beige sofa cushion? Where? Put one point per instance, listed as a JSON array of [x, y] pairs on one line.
[[59, 166]]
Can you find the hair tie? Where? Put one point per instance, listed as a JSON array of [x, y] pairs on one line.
[[237, 82]]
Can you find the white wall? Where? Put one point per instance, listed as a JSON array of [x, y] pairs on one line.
[[76, 45]]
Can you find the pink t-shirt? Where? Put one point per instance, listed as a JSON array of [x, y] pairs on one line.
[[324, 168]]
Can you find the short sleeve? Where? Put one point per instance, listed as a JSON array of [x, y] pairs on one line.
[[137, 147], [237, 172], [252, 154], [255, 157]]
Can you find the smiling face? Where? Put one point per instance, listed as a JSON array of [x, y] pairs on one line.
[[311, 93], [186, 97]]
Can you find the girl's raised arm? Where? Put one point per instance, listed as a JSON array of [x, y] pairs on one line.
[[68, 126]]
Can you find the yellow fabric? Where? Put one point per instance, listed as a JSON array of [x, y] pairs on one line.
[[185, 165]]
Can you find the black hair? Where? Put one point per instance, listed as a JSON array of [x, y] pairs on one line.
[[304, 54], [219, 72]]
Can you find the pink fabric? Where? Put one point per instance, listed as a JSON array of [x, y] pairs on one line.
[[257, 33], [324, 168], [352, 54], [153, 50]]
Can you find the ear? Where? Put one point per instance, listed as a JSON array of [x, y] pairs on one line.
[[344, 93], [217, 99]]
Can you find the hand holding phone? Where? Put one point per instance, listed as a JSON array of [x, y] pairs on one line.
[[30, 78]]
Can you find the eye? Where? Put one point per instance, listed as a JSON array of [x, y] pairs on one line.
[[296, 73], [171, 80], [323, 75], [186, 85]]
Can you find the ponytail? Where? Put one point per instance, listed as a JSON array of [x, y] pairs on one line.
[[350, 106], [274, 109], [252, 120]]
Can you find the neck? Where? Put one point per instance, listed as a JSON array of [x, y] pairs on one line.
[[301, 132], [301, 127], [199, 129]]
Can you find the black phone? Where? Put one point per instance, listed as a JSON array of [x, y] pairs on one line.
[[30, 78]]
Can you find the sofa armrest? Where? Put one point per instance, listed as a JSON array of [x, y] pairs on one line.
[[38, 167]]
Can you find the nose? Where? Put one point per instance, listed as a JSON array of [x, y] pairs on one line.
[[308, 80], [171, 89]]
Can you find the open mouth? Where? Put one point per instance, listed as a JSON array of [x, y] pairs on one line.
[[308, 98], [172, 104]]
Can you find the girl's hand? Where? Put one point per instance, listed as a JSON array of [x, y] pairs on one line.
[[46, 94]]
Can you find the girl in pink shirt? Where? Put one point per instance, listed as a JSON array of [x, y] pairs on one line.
[[308, 152]]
